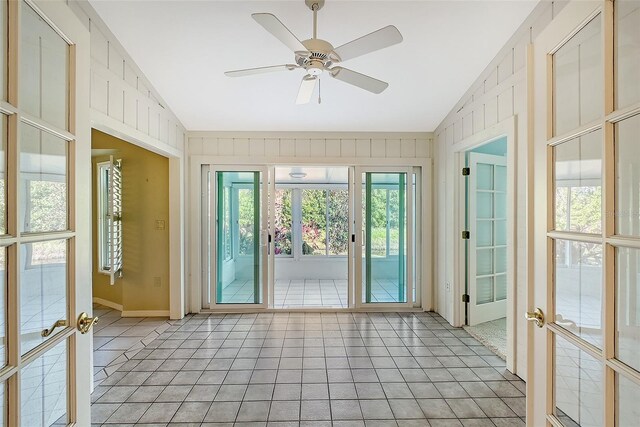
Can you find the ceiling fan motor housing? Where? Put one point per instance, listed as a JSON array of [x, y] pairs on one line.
[[318, 58]]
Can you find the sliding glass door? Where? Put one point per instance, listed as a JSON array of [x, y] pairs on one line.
[[238, 267], [383, 255], [296, 237]]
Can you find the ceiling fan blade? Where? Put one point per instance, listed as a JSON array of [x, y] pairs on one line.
[[384, 37], [306, 89], [260, 70], [362, 81], [279, 31]]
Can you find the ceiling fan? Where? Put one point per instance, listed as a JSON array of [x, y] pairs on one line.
[[316, 55]]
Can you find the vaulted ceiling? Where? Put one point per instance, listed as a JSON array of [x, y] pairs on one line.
[[184, 47]]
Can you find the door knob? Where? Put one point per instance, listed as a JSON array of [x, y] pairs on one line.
[[85, 323], [536, 316]]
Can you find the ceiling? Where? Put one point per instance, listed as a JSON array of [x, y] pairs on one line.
[[184, 47]]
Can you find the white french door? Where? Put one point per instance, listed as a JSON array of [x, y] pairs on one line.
[[487, 244], [384, 237], [45, 253], [238, 256], [583, 362]]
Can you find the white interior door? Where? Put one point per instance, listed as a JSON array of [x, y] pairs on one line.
[[45, 364], [583, 362], [487, 243]]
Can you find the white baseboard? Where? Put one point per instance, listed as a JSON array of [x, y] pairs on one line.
[[107, 303], [145, 313]]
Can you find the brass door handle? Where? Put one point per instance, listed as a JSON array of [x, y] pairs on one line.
[[537, 317], [85, 323], [59, 324]]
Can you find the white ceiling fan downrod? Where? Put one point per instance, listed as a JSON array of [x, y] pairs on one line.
[[315, 7]]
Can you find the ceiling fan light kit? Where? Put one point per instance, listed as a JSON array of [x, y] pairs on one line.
[[316, 56]]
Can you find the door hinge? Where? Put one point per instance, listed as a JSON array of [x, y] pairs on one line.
[[465, 298], [466, 171], [353, 238], [269, 239], [466, 235]]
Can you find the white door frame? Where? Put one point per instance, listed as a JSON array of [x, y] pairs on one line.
[[359, 233], [505, 128], [213, 235], [272, 257], [424, 247], [271, 241]]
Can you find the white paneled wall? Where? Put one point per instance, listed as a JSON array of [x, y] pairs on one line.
[[499, 93], [310, 149], [123, 102]]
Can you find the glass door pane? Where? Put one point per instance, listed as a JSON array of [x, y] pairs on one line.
[[3, 404], [627, 48], [43, 389], [628, 395], [238, 240], [385, 236], [43, 290], [578, 184], [628, 176], [578, 383], [44, 73], [578, 289], [577, 79], [628, 307]]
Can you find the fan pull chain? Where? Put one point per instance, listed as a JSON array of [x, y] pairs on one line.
[[319, 96]]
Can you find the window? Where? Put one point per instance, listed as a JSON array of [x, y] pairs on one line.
[[325, 222], [338, 222], [283, 223], [110, 218], [314, 222]]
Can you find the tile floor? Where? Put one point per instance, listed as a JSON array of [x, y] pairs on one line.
[[117, 339], [309, 293], [311, 369]]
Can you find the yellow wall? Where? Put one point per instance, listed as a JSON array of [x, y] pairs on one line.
[[145, 202]]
